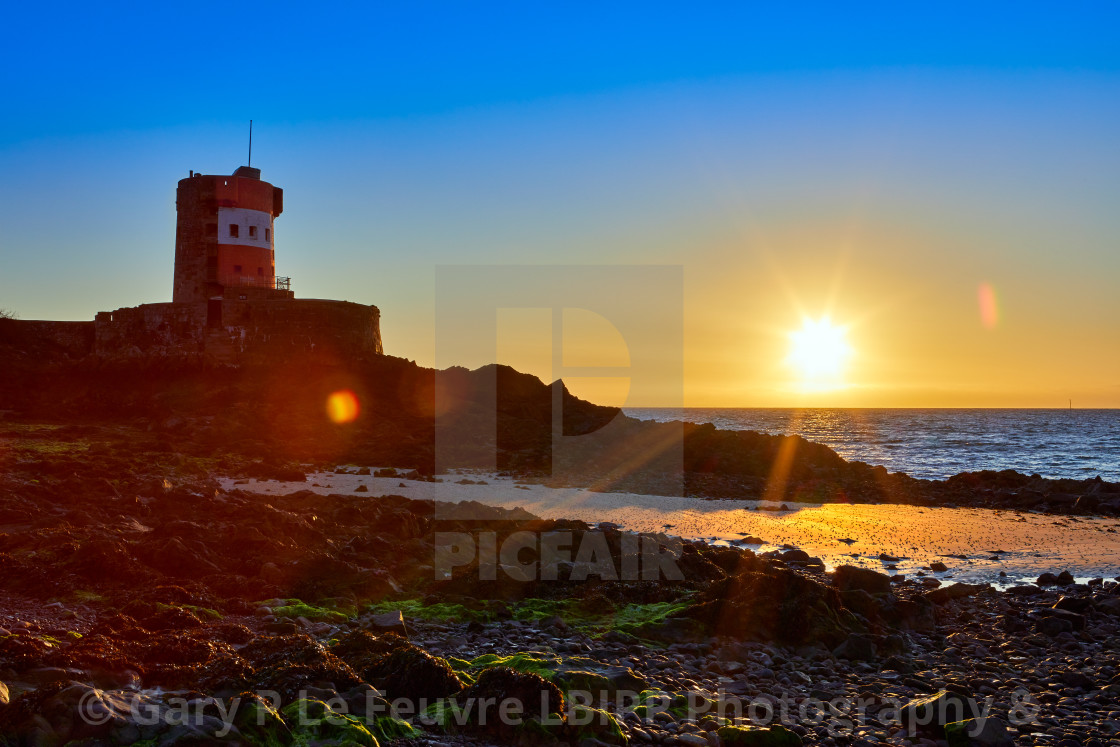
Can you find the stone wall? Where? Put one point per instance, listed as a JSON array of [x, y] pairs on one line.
[[241, 331], [72, 339], [153, 329]]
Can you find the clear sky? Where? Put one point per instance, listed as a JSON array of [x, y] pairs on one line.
[[942, 181]]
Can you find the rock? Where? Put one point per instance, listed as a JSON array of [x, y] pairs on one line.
[[361, 489], [856, 648], [5, 698], [595, 728], [1047, 579], [1065, 578], [932, 713], [396, 667], [1053, 621], [1077, 679], [955, 591], [899, 664], [537, 695], [389, 622], [1108, 605], [270, 573], [315, 722], [979, 732], [1053, 626], [258, 721], [281, 628], [774, 736], [1073, 604], [850, 578], [938, 566]]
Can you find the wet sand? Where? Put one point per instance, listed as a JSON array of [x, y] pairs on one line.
[[1020, 544]]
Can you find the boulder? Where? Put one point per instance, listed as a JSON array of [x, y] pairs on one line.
[[938, 566], [396, 667], [979, 732], [856, 648], [954, 591], [1072, 604], [850, 577], [536, 696], [1053, 626], [773, 736], [932, 713], [315, 722], [1108, 605], [389, 622], [1074, 619]]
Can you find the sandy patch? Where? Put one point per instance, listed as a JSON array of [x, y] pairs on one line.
[[1029, 543]]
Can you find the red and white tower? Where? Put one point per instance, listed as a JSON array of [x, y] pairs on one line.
[[225, 238]]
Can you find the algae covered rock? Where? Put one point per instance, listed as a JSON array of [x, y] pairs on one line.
[[398, 668], [258, 722], [585, 722], [507, 704], [314, 721]]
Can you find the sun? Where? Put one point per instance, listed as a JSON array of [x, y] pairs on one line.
[[819, 352]]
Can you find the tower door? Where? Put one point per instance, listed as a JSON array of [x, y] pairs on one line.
[[214, 312]]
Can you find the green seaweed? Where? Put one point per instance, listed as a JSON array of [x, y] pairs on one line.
[[297, 608], [439, 611]]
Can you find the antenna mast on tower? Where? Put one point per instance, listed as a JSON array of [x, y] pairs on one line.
[[250, 143]]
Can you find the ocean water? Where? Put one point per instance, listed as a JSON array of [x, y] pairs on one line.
[[939, 443]]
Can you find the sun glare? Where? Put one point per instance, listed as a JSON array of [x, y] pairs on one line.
[[818, 353]]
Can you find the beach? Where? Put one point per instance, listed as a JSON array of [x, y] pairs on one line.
[[976, 544]]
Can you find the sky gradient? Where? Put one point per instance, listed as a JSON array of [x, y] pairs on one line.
[[940, 180]]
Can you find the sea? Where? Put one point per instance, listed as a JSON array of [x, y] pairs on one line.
[[939, 443]]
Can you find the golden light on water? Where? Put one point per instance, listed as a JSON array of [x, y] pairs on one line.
[[819, 353], [343, 406]]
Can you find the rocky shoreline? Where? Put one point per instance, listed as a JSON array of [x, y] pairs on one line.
[[490, 418], [144, 604]]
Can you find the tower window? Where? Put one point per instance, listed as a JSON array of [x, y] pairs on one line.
[[211, 229], [260, 271], [268, 234], [237, 268], [234, 230], [252, 232]]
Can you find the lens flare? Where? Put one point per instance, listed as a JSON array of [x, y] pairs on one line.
[[343, 406], [989, 308]]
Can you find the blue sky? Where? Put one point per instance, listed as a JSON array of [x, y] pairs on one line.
[[879, 159]]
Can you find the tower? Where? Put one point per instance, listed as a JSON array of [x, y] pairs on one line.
[[224, 238]]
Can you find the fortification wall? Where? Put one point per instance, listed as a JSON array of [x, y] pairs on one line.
[[240, 331], [152, 329], [273, 326], [73, 339]]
